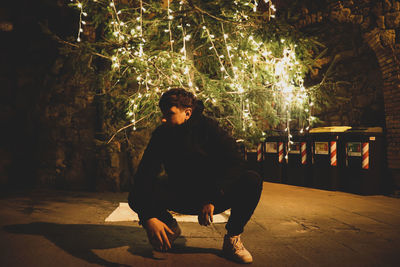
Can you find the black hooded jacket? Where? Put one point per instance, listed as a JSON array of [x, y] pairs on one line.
[[199, 157]]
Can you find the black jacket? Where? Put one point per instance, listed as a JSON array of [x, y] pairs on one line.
[[199, 157]]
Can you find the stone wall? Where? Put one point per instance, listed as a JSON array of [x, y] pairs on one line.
[[67, 129], [349, 77], [379, 24]]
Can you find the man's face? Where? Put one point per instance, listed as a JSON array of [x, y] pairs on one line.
[[176, 116]]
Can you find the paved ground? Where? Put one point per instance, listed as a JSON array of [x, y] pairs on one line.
[[292, 226]]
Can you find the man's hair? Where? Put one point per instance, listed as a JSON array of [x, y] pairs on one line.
[[178, 97]]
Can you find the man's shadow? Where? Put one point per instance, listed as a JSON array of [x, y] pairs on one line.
[[80, 239]]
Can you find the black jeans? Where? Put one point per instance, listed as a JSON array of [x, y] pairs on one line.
[[241, 197]]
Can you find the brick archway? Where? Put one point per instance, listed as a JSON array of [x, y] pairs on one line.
[[379, 23], [390, 68]]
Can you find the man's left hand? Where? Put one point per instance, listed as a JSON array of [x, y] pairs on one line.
[[206, 214]]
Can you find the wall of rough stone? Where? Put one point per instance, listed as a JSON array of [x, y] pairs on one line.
[[352, 80], [379, 25], [67, 130]]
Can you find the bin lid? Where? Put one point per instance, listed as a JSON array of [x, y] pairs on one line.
[[341, 129], [330, 129], [366, 130]]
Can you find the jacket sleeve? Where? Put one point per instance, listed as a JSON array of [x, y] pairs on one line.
[[142, 197]]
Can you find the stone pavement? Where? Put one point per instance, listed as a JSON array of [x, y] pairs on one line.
[[292, 226]]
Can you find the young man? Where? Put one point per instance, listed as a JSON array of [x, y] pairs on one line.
[[206, 176]]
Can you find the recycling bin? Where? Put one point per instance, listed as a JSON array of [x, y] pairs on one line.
[[254, 159], [299, 161], [241, 148], [274, 163], [328, 157], [365, 161]]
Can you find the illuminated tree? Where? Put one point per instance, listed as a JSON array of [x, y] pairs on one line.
[[246, 66]]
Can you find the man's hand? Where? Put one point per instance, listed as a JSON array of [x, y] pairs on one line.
[[206, 214], [157, 234]]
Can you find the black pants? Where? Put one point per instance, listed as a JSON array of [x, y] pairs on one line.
[[242, 197]]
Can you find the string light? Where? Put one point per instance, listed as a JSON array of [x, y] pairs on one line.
[[241, 68], [81, 22], [170, 17]]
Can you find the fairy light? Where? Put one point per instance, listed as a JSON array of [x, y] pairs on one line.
[[255, 6], [170, 18], [183, 50], [212, 47], [228, 49], [287, 89], [141, 18], [185, 38], [81, 22]]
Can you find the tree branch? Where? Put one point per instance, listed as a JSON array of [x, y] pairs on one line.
[[77, 46], [220, 19], [127, 126]]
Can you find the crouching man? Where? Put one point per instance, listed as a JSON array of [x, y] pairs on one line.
[[206, 176]]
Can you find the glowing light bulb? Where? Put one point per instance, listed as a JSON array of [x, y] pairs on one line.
[[186, 71]]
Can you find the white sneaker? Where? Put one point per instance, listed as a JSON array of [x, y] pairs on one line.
[[234, 250]]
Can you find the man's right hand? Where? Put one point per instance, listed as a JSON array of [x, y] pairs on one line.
[[157, 234]]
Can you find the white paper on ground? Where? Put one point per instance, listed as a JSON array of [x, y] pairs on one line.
[[125, 213]]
